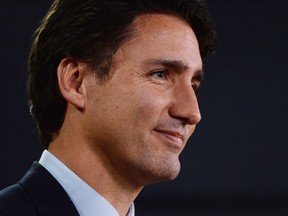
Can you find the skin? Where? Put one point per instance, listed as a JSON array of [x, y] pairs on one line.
[[129, 131]]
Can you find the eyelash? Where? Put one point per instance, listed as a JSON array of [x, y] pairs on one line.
[[195, 86]]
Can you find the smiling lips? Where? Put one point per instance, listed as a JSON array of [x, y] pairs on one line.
[[174, 136]]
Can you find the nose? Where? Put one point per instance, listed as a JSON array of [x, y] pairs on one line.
[[185, 105]]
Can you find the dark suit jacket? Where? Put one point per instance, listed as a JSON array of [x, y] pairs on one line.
[[37, 193]]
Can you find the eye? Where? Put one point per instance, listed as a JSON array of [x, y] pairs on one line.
[[159, 74]]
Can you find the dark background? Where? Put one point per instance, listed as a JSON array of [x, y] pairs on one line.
[[236, 163]]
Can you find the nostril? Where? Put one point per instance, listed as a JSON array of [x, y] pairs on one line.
[[194, 118], [197, 118]]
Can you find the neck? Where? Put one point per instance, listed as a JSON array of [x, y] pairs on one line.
[[91, 167]]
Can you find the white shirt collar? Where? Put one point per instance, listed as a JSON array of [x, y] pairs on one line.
[[86, 200]]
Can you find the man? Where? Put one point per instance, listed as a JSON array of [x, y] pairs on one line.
[[112, 86]]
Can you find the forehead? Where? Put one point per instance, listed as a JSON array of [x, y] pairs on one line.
[[160, 36], [155, 20], [161, 23]]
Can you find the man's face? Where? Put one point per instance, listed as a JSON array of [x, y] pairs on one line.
[[141, 117]]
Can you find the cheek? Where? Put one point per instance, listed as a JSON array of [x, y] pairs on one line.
[[150, 105]]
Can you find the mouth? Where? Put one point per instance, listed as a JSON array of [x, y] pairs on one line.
[[174, 137]]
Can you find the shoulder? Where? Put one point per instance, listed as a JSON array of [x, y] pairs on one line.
[[37, 193], [14, 200]]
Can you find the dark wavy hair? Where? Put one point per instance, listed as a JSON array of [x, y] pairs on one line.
[[92, 31]]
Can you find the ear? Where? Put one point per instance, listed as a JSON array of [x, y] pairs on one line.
[[70, 75]]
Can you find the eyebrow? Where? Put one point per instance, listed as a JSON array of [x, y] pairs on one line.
[[177, 65]]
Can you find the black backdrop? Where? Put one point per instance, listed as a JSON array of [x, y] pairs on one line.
[[236, 163]]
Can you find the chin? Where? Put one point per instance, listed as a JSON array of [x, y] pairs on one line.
[[166, 173], [171, 174]]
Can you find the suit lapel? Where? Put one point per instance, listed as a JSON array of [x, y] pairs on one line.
[[49, 197]]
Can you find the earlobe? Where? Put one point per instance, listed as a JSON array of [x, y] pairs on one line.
[[70, 80]]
